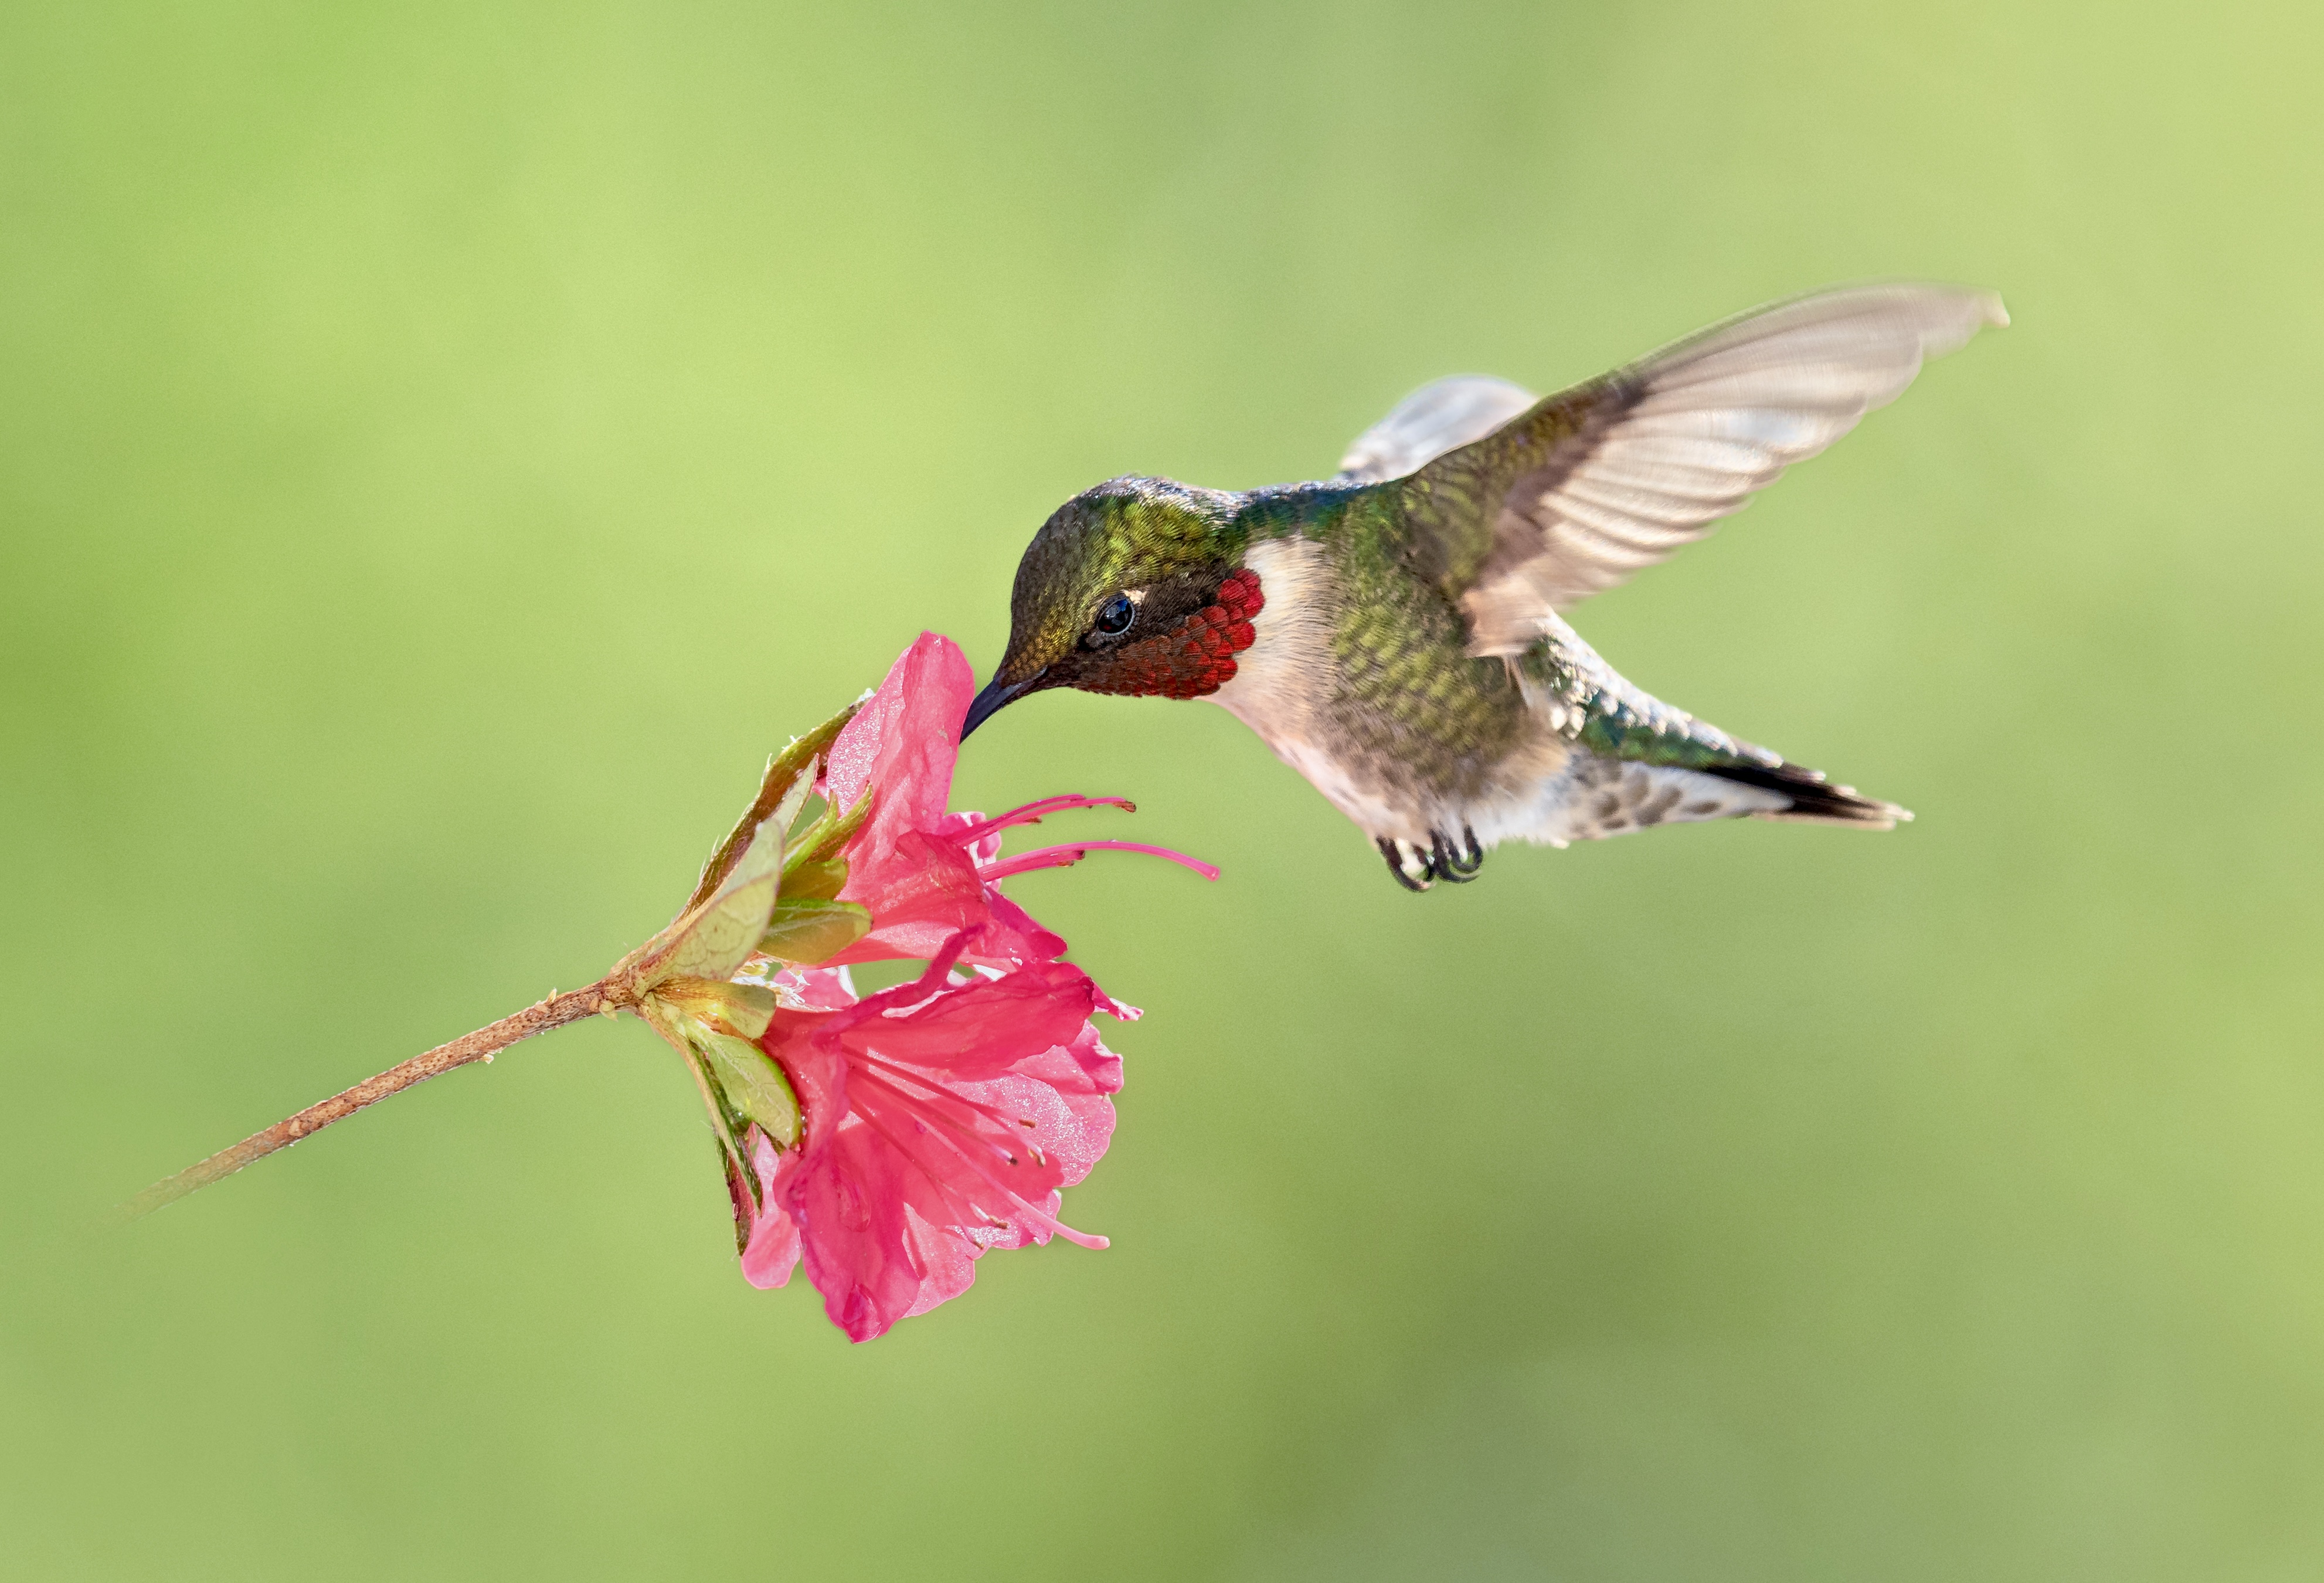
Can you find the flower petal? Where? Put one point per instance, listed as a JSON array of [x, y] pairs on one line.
[[943, 1117], [903, 742], [985, 1027], [773, 1250], [921, 892], [1012, 938], [849, 1200]]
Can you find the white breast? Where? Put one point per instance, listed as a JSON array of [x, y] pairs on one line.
[[1283, 678]]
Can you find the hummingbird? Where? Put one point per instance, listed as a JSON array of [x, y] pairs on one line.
[[1397, 632]]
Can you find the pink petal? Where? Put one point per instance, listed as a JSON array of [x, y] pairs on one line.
[[943, 1117], [850, 1203], [920, 892], [980, 845], [937, 977], [904, 740], [901, 745], [816, 988], [1013, 938], [773, 1250], [983, 1028], [817, 1071], [947, 1259]]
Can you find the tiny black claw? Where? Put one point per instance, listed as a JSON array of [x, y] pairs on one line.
[[1461, 863], [1388, 849], [1446, 863]]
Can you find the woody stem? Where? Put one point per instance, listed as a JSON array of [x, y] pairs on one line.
[[539, 1018]]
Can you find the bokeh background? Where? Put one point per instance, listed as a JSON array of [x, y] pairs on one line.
[[444, 448]]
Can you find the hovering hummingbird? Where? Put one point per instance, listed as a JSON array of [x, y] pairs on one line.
[[1396, 632]]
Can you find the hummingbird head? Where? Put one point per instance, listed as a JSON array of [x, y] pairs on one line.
[[1133, 587]]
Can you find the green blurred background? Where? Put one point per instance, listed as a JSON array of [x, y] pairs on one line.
[[444, 448]]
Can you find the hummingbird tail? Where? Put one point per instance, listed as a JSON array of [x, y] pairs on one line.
[[1813, 799]]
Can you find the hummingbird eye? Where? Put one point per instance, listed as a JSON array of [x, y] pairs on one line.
[[1114, 616]]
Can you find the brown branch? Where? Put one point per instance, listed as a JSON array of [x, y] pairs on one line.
[[552, 1013]]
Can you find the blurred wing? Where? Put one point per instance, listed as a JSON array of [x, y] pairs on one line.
[[1590, 485], [1429, 422]]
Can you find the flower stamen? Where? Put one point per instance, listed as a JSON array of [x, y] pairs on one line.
[[1065, 856], [1033, 814]]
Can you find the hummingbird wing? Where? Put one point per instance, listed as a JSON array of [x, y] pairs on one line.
[[1582, 490], [1429, 422]]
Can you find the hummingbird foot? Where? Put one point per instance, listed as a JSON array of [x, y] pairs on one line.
[[1457, 864], [1417, 867], [1445, 862], [1401, 856]]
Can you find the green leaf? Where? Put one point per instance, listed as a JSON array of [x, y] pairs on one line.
[[713, 941], [814, 882], [740, 1087], [741, 1009], [787, 769], [726, 1119], [809, 932], [822, 840], [743, 1194], [753, 1086]]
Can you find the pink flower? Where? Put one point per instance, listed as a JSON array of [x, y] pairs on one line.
[[943, 1117], [925, 874]]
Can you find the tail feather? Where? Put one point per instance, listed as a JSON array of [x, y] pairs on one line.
[[1813, 799]]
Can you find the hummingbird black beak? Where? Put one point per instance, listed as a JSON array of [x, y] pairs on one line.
[[988, 701]]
